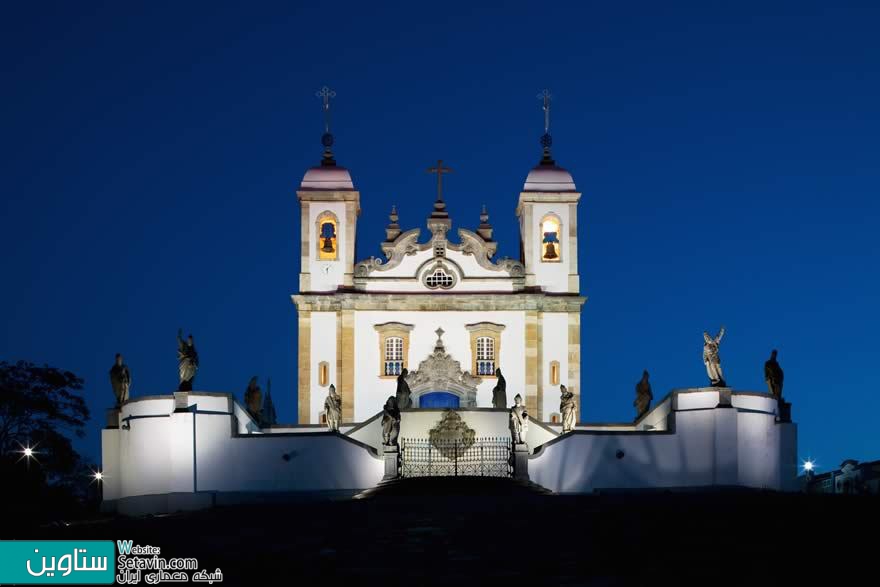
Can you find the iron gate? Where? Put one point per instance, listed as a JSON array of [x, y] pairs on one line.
[[484, 457]]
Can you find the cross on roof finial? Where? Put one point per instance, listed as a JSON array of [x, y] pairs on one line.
[[546, 139], [546, 97], [325, 94], [439, 169]]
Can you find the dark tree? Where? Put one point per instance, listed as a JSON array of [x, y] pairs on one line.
[[41, 407]]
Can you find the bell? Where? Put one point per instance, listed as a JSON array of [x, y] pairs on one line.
[[550, 252], [328, 246]]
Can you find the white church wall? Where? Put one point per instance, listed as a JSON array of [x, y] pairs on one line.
[[552, 277], [371, 390], [323, 348], [335, 270], [554, 348]]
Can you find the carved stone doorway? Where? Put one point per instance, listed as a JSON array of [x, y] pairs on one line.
[[440, 372]]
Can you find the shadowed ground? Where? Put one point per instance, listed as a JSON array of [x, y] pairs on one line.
[[482, 531]]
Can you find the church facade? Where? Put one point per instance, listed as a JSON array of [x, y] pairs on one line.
[[438, 303]]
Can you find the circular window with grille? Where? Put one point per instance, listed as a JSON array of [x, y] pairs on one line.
[[439, 278]]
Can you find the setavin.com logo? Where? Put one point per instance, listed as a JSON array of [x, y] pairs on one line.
[[57, 562]]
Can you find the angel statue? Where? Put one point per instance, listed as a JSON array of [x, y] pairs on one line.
[[187, 361], [120, 380], [712, 359]]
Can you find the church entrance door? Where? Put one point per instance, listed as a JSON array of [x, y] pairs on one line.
[[438, 399]]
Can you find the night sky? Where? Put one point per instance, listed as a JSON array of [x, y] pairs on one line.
[[728, 159]]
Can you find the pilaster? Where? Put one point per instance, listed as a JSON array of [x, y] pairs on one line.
[[304, 360], [531, 386], [574, 358]]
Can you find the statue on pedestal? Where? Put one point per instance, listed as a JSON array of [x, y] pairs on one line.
[[390, 422], [253, 400], [643, 396], [120, 380], [333, 409], [568, 409], [403, 396], [499, 392], [712, 359], [519, 421], [774, 376], [187, 361]]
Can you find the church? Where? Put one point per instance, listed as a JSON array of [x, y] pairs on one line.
[[439, 316], [362, 322]]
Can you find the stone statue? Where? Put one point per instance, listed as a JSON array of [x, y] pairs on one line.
[[568, 409], [120, 380], [253, 400], [499, 392], [712, 359], [390, 422], [774, 375], [519, 420], [404, 396], [643, 396], [187, 361], [333, 408]]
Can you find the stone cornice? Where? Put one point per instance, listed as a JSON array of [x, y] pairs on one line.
[[545, 197], [472, 301]]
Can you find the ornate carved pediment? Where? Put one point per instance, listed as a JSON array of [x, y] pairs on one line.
[[451, 435], [482, 250], [440, 372], [405, 244]]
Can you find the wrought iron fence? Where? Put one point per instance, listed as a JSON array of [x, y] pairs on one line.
[[485, 457]]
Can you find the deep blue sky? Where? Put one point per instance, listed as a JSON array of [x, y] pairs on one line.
[[727, 155]]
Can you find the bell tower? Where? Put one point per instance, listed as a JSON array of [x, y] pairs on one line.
[[547, 213], [329, 206]]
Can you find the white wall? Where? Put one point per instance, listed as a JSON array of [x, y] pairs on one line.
[[323, 348], [162, 452], [555, 348], [371, 390], [707, 446]]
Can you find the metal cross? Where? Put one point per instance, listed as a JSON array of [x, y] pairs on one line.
[[325, 94], [545, 96], [439, 170]]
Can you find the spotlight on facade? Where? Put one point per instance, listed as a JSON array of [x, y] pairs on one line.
[[98, 475], [808, 466]]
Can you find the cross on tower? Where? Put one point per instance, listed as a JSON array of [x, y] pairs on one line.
[[545, 97], [325, 94], [439, 170]]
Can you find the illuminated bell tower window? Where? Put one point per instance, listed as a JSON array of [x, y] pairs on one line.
[[550, 230], [328, 235]]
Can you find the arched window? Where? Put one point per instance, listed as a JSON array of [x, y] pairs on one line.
[[393, 355], [485, 356], [550, 233], [327, 236]]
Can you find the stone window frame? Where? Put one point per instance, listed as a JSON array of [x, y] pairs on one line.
[[487, 330], [326, 215], [323, 374], [556, 218], [555, 373], [392, 330], [433, 269]]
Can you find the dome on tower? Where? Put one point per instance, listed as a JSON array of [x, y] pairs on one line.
[[549, 178], [327, 177]]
